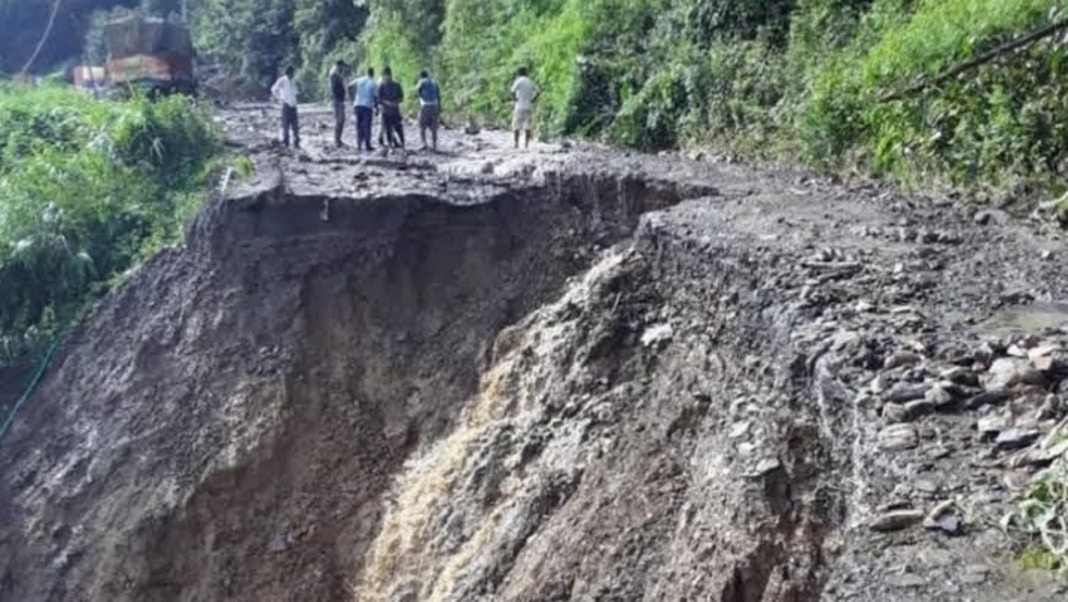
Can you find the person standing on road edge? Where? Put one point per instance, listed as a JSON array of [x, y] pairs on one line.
[[364, 92], [285, 91], [429, 109], [337, 93], [381, 130], [390, 97], [524, 92]]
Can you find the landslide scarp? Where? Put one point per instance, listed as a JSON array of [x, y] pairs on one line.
[[514, 379], [647, 436], [226, 424]]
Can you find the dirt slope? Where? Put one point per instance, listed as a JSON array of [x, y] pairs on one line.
[[485, 376]]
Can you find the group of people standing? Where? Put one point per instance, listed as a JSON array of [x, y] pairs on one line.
[[385, 96]]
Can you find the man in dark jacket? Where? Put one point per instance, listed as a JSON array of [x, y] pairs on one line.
[[390, 97], [337, 92]]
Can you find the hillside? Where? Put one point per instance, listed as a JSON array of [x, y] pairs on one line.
[[806, 81], [551, 375], [848, 85], [773, 310]]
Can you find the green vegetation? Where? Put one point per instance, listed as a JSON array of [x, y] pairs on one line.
[[1042, 514], [256, 39], [87, 188], [813, 81], [803, 80], [244, 167]]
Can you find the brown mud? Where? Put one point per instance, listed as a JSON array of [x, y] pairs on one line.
[[567, 373]]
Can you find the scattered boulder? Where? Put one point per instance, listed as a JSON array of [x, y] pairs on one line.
[[1041, 457], [879, 385], [920, 407], [895, 413], [991, 216], [895, 520], [906, 581], [1050, 360], [940, 396], [990, 426], [1007, 372], [1016, 438], [1045, 364], [902, 358], [926, 486], [898, 437], [974, 575], [960, 375], [945, 518], [906, 392], [657, 335], [987, 398]]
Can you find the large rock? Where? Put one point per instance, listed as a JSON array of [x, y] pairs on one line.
[[906, 392], [1016, 438], [1008, 372], [941, 396], [899, 437], [902, 358], [895, 520]]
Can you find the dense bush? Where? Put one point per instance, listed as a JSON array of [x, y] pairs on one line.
[[253, 41], [803, 80], [997, 125], [86, 189]]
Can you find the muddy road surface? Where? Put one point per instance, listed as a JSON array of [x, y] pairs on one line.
[[562, 373]]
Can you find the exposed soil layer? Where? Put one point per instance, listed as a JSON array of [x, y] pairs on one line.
[[560, 374]]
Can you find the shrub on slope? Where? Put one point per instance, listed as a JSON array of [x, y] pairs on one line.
[[86, 189]]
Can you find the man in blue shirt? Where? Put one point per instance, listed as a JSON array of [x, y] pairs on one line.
[[364, 92], [429, 109]]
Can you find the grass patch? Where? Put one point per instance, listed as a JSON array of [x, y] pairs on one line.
[[244, 167], [87, 189], [1041, 515], [1038, 559]]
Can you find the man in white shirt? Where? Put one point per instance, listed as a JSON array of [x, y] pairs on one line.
[[285, 91], [525, 92]]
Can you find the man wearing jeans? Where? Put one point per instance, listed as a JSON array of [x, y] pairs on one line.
[[363, 94], [285, 91], [390, 97], [337, 93]]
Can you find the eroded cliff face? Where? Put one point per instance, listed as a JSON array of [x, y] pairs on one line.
[[549, 376], [226, 424], [600, 458]]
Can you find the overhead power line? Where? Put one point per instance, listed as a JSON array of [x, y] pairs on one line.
[[44, 38]]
